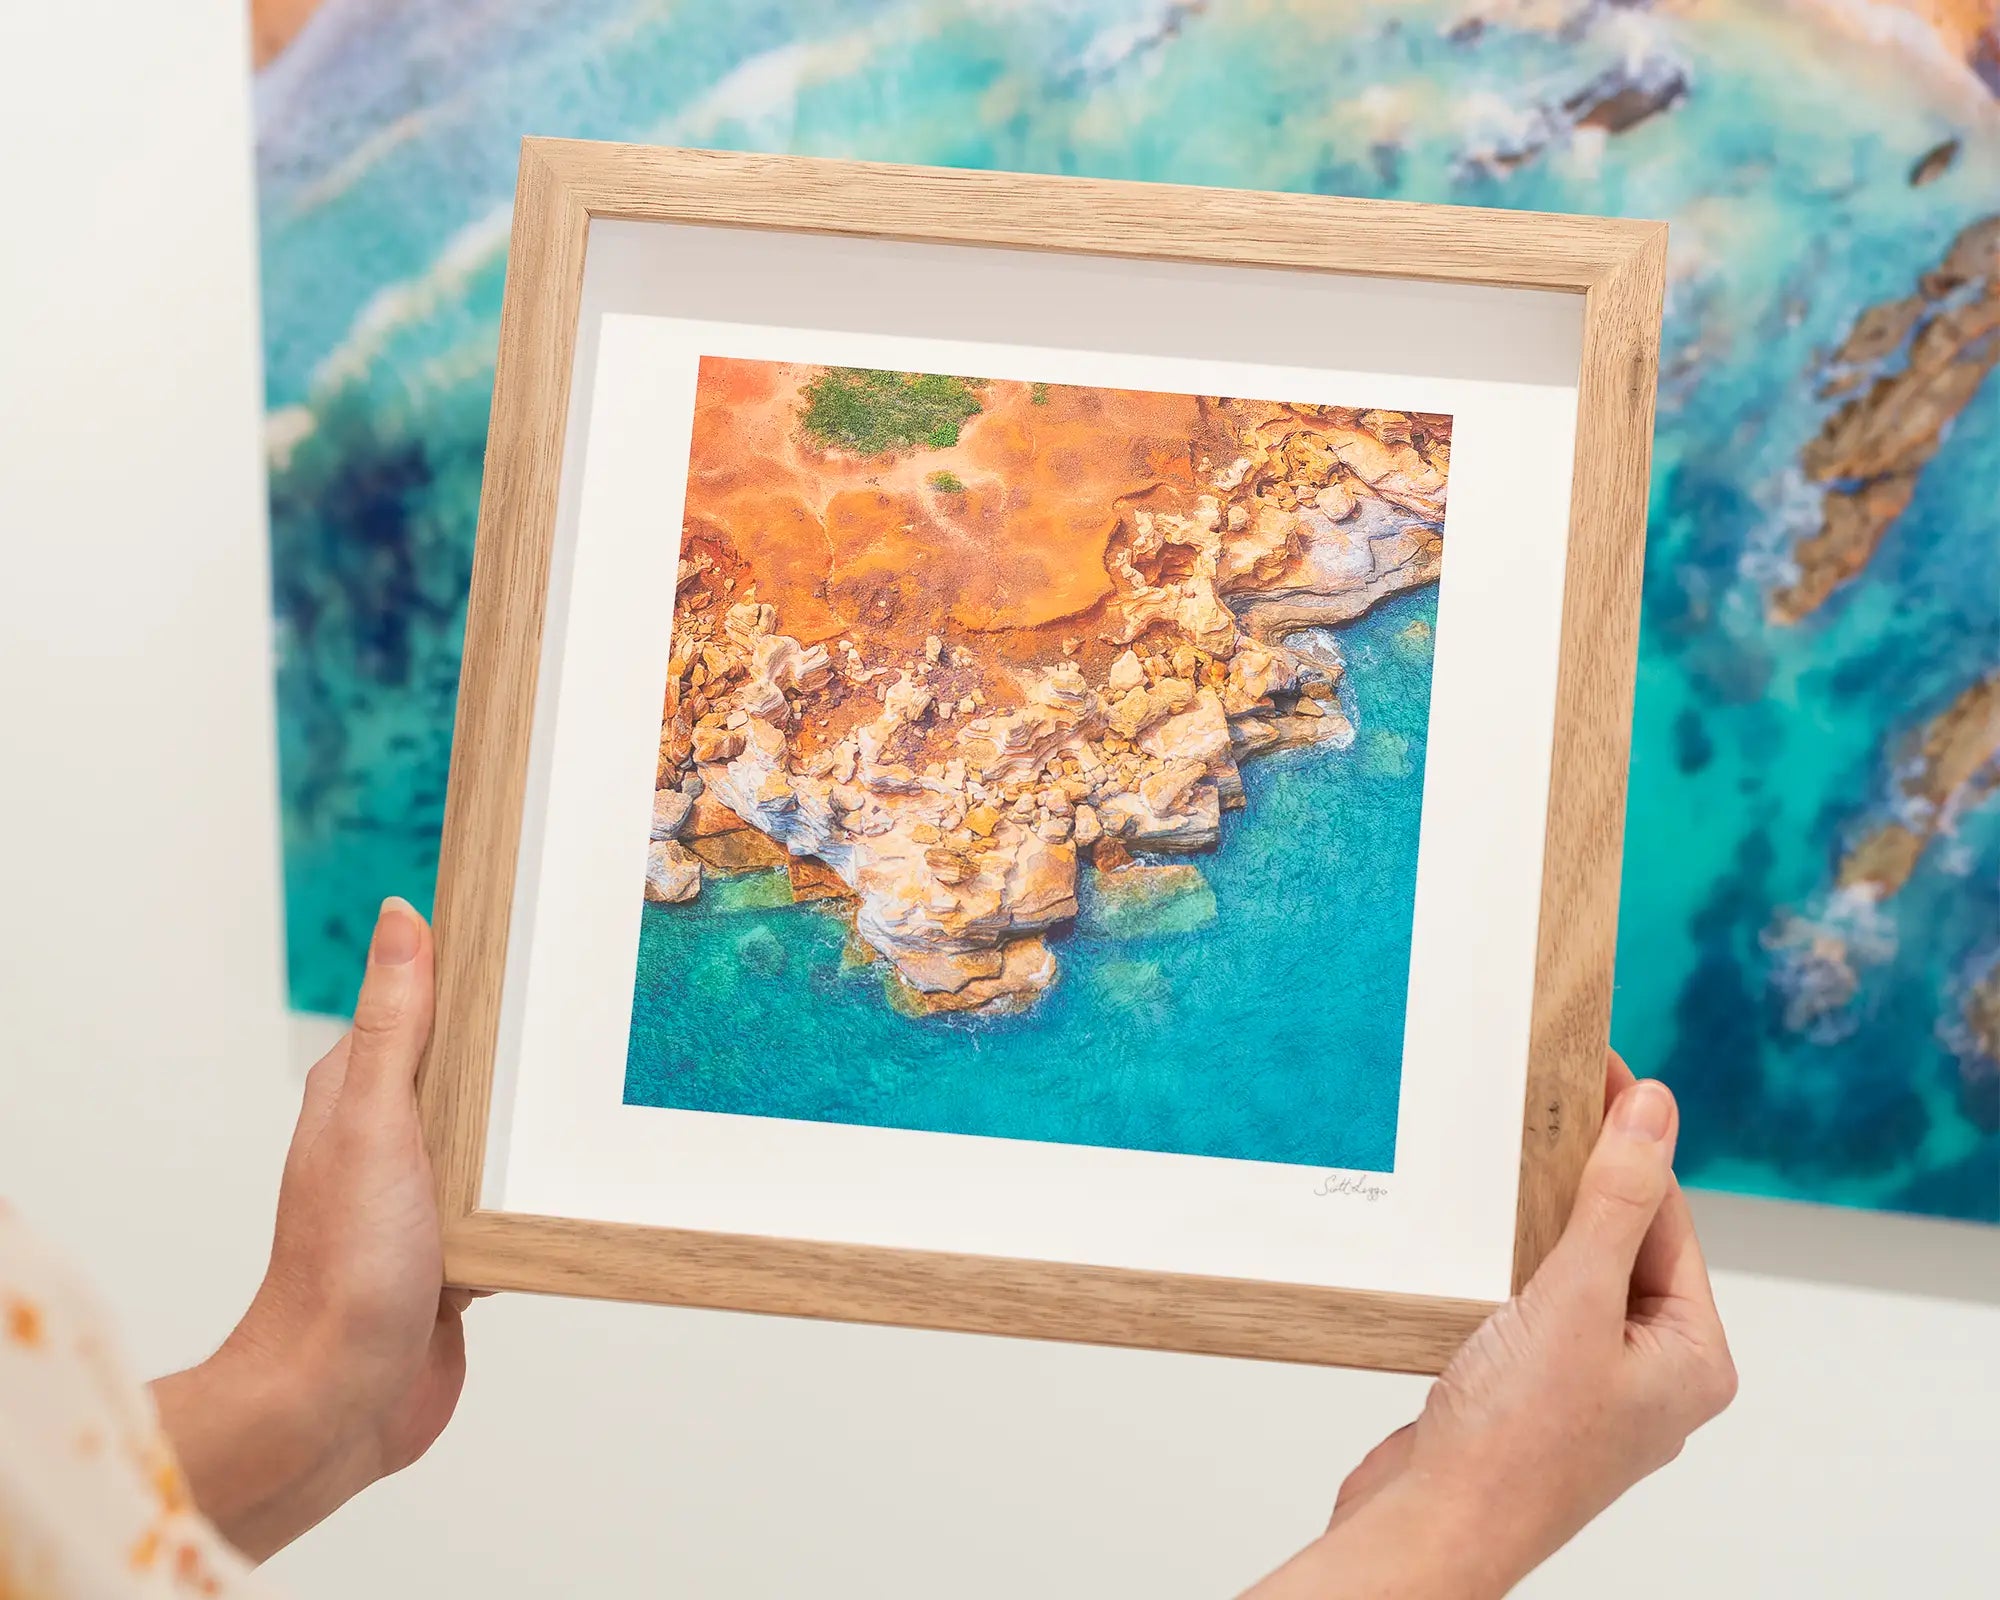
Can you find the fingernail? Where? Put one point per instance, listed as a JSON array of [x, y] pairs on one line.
[[1643, 1111], [398, 931]]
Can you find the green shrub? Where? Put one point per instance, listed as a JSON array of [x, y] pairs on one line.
[[871, 413], [946, 483]]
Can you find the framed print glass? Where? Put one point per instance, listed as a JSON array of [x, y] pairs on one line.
[[1039, 756]]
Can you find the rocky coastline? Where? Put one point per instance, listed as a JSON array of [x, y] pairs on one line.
[[1955, 765], [1976, 1032], [1950, 766], [1907, 368], [1047, 650]]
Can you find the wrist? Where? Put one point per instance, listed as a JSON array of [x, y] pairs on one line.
[[1425, 1538], [259, 1442]]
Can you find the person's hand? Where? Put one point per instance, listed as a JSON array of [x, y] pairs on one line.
[[350, 1359], [1588, 1380]]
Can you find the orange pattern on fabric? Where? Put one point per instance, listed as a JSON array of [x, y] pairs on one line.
[[25, 1324], [93, 1505]]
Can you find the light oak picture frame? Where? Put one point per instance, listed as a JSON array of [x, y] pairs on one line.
[[1615, 266]]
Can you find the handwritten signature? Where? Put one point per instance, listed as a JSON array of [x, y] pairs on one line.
[[1343, 1184]]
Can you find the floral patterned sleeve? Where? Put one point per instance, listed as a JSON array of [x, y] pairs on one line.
[[92, 1504]]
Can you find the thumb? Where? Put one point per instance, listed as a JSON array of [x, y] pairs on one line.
[[392, 1018], [1624, 1182]]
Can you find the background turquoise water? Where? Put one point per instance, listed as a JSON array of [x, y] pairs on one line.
[[1272, 1032], [386, 150]]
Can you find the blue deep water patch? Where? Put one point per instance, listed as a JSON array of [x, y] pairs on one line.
[[387, 140], [1271, 1032]]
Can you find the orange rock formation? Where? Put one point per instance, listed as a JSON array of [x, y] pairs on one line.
[[943, 676]]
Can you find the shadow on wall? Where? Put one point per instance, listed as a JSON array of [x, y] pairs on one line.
[[1836, 1245]]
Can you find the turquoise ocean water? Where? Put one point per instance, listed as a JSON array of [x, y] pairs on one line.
[[1272, 1030], [386, 148]]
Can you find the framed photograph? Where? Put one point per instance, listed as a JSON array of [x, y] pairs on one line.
[[1040, 756]]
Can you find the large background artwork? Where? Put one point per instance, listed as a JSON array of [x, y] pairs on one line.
[[1810, 949]]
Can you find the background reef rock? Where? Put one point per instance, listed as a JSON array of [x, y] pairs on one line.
[[1810, 934]]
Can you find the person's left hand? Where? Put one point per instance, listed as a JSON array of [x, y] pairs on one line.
[[350, 1359], [1590, 1378]]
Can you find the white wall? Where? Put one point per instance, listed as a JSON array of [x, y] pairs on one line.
[[146, 1079]]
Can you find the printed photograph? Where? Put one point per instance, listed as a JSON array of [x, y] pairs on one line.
[[1041, 762]]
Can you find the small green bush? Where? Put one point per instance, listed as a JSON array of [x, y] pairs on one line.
[[872, 413], [946, 483]]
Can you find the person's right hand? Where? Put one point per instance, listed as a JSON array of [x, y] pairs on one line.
[[351, 1357], [1588, 1380]]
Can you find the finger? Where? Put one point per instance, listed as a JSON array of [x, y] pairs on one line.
[[322, 1093], [1671, 1292], [392, 1019], [1670, 1266], [1624, 1184], [1617, 1077]]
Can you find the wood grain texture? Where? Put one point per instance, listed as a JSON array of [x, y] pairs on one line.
[[1166, 222], [967, 1294], [497, 677], [1615, 265], [1584, 844]]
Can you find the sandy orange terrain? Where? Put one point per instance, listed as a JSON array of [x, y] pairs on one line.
[[936, 682], [275, 24], [838, 544]]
